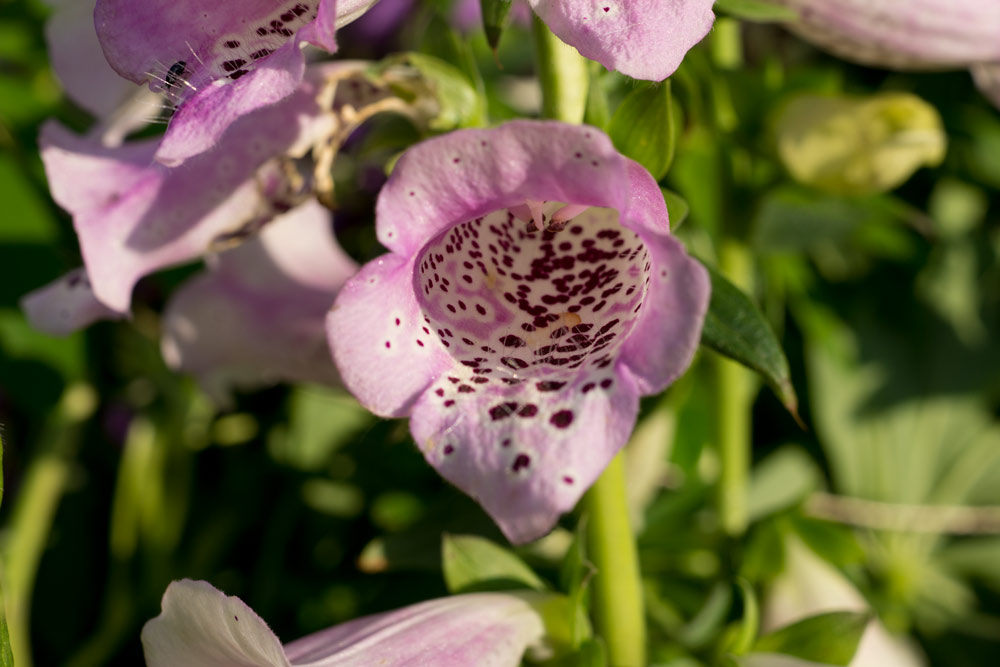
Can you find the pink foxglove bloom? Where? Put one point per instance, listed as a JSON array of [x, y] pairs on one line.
[[134, 216], [219, 59], [532, 294], [257, 316], [200, 626], [907, 34]]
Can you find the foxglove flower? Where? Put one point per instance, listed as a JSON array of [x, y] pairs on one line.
[[200, 626], [518, 335], [218, 59], [134, 216], [907, 35]]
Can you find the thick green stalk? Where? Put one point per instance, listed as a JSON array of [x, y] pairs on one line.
[[617, 586], [735, 386], [34, 511], [562, 74]]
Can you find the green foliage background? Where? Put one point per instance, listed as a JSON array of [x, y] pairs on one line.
[[120, 476]]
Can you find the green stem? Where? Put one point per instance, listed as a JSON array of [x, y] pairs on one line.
[[735, 390], [617, 586], [562, 74], [34, 511]]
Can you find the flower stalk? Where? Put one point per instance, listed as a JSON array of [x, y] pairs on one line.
[[735, 391], [617, 586], [563, 75]]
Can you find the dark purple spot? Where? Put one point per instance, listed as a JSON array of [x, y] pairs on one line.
[[502, 410], [511, 340], [562, 419], [505, 443], [387, 345], [521, 461], [549, 385], [448, 449], [587, 387], [606, 383], [449, 403], [465, 389], [529, 410]]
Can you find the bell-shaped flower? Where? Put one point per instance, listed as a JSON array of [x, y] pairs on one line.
[[200, 626], [906, 35], [217, 59], [256, 317], [134, 216], [532, 294]]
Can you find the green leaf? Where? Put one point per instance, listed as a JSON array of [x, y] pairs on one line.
[[736, 328], [643, 129], [495, 13], [472, 563], [756, 10], [677, 208], [830, 638]]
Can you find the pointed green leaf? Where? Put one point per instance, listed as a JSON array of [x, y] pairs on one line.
[[831, 638], [736, 328], [495, 13], [472, 563], [643, 128]]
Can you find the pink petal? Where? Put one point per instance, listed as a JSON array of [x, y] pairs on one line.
[[902, 34], [258, 317], [482, 629], [379, 339], [459, 176], [667, 334], [65, 305], [645, 39], [526, 453], [201, 626]]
